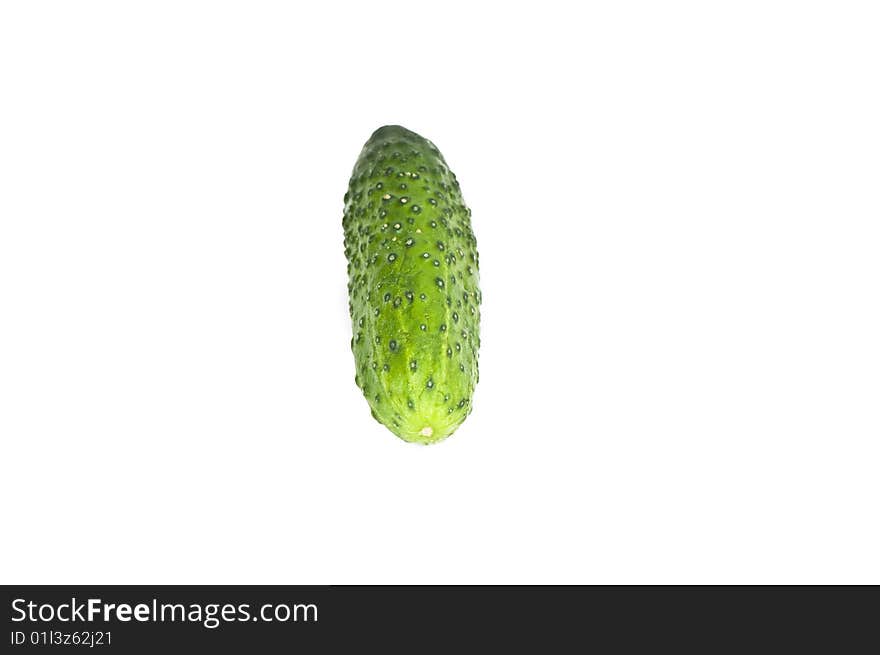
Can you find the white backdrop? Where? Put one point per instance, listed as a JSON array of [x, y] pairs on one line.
[[677, 213]]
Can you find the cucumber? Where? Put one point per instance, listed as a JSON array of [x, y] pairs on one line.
[[413, 284]]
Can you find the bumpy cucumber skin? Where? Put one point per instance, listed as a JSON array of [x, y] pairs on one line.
[[414, 294]]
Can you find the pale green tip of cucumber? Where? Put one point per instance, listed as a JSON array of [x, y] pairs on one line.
[[427, 427]]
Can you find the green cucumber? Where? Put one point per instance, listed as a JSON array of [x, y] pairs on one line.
[[413, 286]]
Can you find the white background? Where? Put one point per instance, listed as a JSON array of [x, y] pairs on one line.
[[677, 212]]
